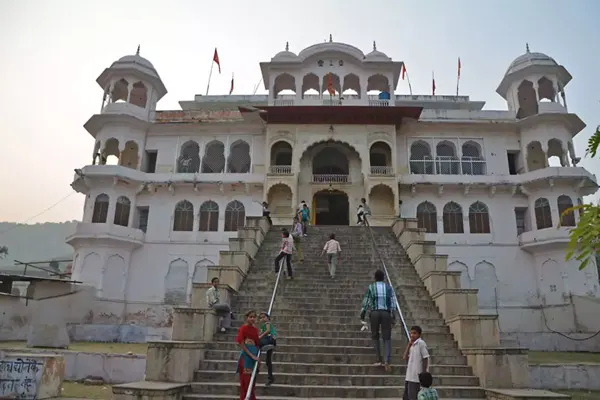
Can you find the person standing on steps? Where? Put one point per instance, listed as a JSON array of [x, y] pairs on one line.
[[247, 339], [366, 210], [267, 341], [297, 236], [417, 357], [304, 217], [287, 248], [213, 300], [333, 250], [266, 212], [380, 300]]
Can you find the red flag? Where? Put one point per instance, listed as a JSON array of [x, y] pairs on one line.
[[330, 88], [433, 84], [216, 59], [231, 89], [459, 67], [403, 70]]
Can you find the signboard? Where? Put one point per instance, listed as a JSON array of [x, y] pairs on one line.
[[20, 377]]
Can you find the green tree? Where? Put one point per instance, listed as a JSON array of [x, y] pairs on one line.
[[584, 243]]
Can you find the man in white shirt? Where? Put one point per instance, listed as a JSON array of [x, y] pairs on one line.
[[417, 357], [213, 299], [287, 248], [333, 249]]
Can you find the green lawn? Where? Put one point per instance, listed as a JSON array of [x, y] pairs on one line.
[[559, 357], [581, 394], [91, 347], [72, 390]]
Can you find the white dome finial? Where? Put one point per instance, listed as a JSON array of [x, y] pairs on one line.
[[374, 46], [330, 38], [137, 53], [527, 47], [287, 46]]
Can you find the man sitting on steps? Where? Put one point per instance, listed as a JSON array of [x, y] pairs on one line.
[[213, 299]]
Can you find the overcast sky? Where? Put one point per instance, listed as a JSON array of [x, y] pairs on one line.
[[52, 51]]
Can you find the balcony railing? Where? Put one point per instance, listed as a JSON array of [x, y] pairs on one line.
[[382, 171], [379, 103], [330, 178], [448, 166], [280, 169], [284, 102]]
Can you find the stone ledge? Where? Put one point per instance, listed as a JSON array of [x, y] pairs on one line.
[[225, 273], [206, 285], [471, 317], [192, 310], [453, 291], [475, 330], [495, 351], [176, 344], [147, 390], [518, 394], [441, 273]]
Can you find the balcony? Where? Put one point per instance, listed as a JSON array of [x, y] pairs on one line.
[[114, 235], [288, 100], [127, 109], [280, 170], [330, 178], [448, 166], [382, 171], [544, 239]]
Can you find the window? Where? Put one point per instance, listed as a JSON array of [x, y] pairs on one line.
[[143, 214], [564, 203], [512, 163], [453, 218], [209, 217], [543, 214], [235, 216], [122, 211], [183, 219], [520, 219], [151, 156], [479, 218], [427, 217], [100, 213]]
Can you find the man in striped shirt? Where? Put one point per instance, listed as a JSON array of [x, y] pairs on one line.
[[380, 300]]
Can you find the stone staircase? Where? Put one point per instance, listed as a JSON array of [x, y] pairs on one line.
[[321, 352]]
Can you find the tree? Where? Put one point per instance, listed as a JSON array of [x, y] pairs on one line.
[[584, 243], [3, 251]]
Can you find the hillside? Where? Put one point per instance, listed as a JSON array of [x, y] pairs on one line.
[[35, 242]]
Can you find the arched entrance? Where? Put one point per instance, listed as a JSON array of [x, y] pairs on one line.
[[331, 207]]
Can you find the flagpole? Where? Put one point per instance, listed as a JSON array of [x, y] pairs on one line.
[[458, 77], [212, 65], [408, 81]]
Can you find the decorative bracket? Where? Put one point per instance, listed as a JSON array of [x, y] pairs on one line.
[[413, 190], [551, 183], [440, 190], [466, 189], [493, 189]]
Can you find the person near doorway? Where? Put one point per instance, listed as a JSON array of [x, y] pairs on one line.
[[305, 217], [333, 250], [266, 212], [366, 209], [213, 299], [417, 357], [297, 236], [287, 248], [380, 300], [360, 212]]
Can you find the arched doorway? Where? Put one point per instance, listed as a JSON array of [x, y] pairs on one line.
[[331, 207]]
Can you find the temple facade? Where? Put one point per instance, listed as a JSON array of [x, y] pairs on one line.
[[165, 190]]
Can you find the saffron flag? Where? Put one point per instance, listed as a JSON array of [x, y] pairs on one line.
[[216, 59], [403, 70], [459, 67], [330, 88], [433, 84], [231, 89]]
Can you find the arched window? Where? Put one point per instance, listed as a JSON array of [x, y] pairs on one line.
[[184, 216], [100, 213], [543, 214], [189, 160], [564, 203], [122, 211], [209, 217], [421, 161], [235, 216], [479, 218], [427, 217], [453, 218]]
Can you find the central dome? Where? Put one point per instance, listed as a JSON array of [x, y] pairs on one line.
[[530, 59]]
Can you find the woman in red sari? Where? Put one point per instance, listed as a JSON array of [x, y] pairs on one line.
[[247, 338]]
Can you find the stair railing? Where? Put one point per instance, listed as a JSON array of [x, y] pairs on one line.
[[255, 369], [387, 275]]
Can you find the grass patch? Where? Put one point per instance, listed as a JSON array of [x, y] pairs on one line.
[[89, 347], [80, 391], [581, 394], [563, 357]]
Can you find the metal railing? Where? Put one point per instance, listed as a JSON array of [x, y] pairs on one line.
[[387, 275], [255, 369]]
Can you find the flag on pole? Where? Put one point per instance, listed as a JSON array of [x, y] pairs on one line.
[[216, 59], [330, 88], [458, 77], [405, 74], [231, 89], [433, 83], [403, 70]]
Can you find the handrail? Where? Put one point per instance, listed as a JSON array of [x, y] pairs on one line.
[[387, 275], [255, 369]]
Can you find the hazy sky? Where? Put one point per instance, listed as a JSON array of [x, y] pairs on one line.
[[52, 51]]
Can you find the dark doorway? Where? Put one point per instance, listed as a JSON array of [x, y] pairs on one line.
[[331, 208]]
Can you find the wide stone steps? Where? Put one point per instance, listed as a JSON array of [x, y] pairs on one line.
[[236, 397], [320, 391], [331, 368], [280, 319], [287, 378]]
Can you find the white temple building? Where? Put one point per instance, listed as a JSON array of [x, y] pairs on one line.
[[165, 190]]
